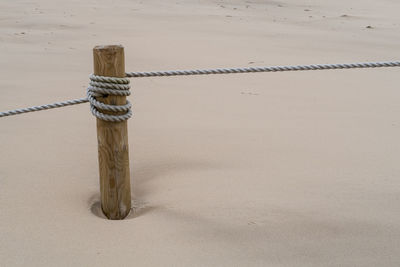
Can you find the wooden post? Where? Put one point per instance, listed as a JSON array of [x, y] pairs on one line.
[[112, 140]]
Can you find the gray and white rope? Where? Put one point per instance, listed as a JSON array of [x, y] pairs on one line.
[[264, 69], [100, 85], [44, 107]]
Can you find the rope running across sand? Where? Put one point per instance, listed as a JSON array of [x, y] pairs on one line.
[[100, 85]]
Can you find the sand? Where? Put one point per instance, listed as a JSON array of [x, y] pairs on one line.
[[271, 169]]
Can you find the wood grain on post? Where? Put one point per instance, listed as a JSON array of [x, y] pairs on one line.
[[112, 139]]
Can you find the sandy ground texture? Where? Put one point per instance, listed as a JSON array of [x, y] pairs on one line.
[[271, 169]]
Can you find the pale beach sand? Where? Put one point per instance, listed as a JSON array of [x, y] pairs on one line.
[[270, 169]]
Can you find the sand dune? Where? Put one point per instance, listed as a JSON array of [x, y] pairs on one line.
[[272, 169]]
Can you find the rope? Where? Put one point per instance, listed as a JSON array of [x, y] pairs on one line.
[[43, 107], [264, 69], [100, 85]]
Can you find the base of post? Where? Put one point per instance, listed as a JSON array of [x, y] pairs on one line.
[[137, 208]]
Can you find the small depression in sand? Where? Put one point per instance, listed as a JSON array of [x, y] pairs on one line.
[[138, 208]]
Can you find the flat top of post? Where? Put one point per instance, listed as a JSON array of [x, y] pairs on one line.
[[109, 60]]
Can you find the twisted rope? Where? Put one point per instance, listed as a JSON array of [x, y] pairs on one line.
[[43, 107], [264, 69], [100, 85]]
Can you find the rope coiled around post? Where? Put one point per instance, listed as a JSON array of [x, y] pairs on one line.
[[100, 86]]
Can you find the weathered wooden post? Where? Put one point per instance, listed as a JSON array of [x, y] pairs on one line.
[[113, 139]]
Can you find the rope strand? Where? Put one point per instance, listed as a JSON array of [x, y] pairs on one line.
[[43, 107], [263, 69], [100, 85]]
